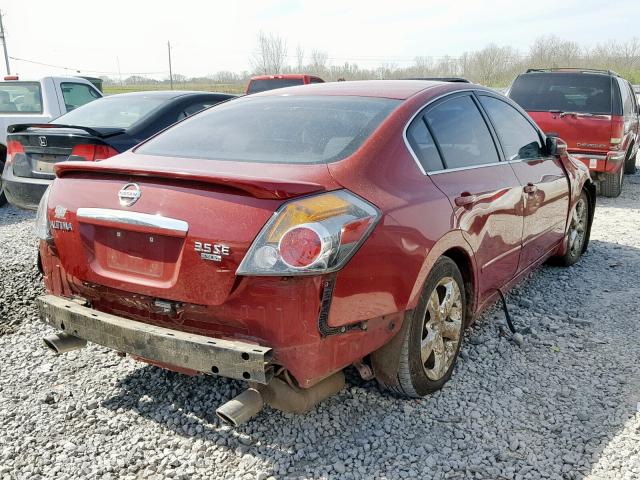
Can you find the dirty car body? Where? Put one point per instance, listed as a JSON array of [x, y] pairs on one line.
[[303, 246]]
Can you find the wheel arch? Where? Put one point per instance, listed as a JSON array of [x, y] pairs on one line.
[[454, 246], [590, 189], [464, 263]]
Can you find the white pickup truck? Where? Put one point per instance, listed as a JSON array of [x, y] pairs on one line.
[[38, 101]]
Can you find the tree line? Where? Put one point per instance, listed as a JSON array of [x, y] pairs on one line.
[[493, 65]]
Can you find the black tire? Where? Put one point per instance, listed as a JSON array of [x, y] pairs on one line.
[[415, 377], [630, 164], [3, 198], [578, 224], [611, 183]]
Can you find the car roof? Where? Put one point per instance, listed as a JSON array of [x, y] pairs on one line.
[[61, 78], [167, 94], [572, 70], [396, 89], [293, 76]]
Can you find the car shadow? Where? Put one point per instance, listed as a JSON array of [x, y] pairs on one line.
[[573, 385], [10, 215]]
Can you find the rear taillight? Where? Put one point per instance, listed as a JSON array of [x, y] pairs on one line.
[[617, 132], [13, 147], [42, 226], [312, 235], [92, 152]]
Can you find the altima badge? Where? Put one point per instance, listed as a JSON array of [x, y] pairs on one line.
[[129, 194]]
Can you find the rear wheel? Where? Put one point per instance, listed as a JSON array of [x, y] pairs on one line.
[[3, 198], [577, 233], [432, 341], [630, 164], [611, 184]]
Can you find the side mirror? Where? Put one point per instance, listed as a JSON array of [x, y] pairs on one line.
[[556, 147]]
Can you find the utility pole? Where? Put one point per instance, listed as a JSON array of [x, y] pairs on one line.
[[170, 72], [4, 45]]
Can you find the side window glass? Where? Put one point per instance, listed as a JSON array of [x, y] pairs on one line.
[[461, 133], [627, 102], [423, 146], [518, 137], [77, 94], [316, 80], [192, 109]]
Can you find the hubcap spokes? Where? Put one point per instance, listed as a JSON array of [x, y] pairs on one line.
[[441, 329], [577, 228]]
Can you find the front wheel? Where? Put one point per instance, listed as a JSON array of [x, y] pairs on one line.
[[432, 340], [577, 233]]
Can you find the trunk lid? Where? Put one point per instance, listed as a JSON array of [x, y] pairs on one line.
[[46, 145], [583, 133], [184, 236]]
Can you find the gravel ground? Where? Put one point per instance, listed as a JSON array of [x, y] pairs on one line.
[[561, 405]]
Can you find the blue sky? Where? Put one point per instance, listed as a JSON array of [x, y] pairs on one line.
[[209, 36]]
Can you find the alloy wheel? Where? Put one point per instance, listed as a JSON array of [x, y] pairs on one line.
[[578, 227], [442, 328]]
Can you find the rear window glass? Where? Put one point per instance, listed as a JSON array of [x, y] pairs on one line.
[[20, 97], [275, 129], [256, 86], [567, 92], [115, 112]]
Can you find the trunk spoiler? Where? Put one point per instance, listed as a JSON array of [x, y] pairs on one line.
[[258, 187], [96, 132]]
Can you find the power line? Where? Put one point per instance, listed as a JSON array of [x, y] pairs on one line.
[[78, 70]]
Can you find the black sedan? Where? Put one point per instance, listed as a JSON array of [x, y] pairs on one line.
[[95, 131]]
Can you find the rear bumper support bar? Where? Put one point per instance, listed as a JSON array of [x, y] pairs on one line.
[[228, 358]]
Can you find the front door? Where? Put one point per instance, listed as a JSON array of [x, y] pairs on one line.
[[545, 187]]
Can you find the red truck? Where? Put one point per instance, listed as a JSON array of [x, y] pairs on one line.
[[262, 83], [595, 111]]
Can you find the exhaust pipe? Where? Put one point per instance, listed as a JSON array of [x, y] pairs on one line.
[[63, 343], [279, 395], [241, 408]]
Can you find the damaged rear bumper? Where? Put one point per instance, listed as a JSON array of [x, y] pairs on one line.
[[228, 358]]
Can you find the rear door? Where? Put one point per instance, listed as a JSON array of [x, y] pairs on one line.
[[544, 183], [484, 192]]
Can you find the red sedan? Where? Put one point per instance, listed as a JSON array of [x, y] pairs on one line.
[[286, 235]]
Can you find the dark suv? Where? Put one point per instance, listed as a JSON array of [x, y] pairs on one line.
[[594, 111]]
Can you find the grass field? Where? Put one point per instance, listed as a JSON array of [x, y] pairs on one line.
[[206, 87]]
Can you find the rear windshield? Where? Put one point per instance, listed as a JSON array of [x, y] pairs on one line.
[[256, 86], [275, 129], [20, 97], [115, 112], [567, 92]]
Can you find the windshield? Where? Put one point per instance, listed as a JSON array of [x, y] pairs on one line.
[[567, 92], [20, 97], [111, 112], [256, 86], [275, 129]]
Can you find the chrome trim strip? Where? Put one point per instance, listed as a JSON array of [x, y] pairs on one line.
[[133, 218], [460, 169]]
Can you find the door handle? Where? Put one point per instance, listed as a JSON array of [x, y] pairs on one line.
[[530, 188], [465, 199]]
